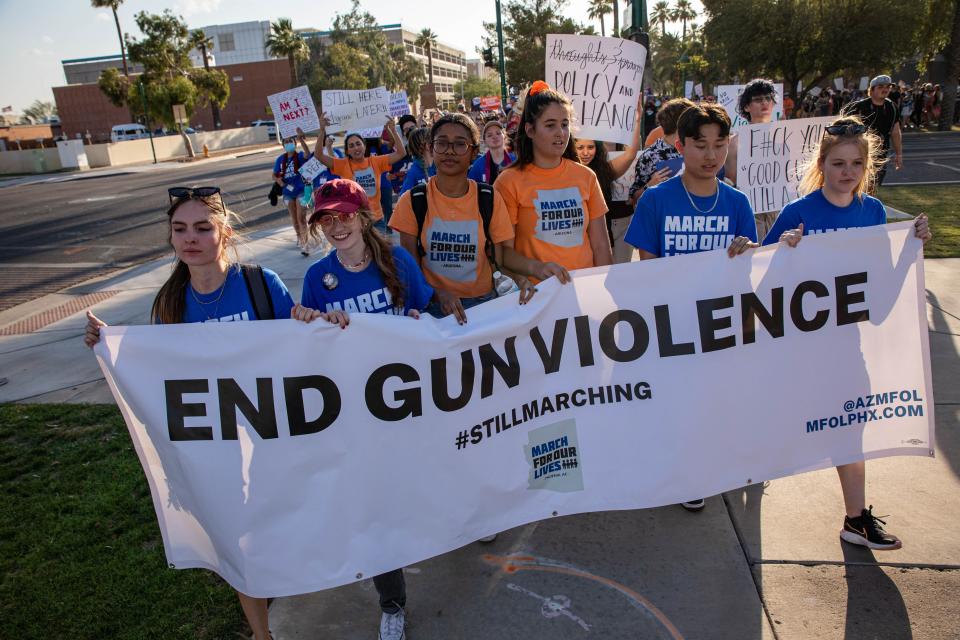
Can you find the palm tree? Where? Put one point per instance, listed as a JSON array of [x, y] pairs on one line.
[[114, 5], [283, 41], [427, 39], [598, 9], [661, 15], [682, 12], [202, 42], [616, 18]]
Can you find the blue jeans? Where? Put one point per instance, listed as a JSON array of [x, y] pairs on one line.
[[434, 307]]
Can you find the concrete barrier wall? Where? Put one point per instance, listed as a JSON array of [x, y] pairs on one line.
[[30, 161], [136, 151]]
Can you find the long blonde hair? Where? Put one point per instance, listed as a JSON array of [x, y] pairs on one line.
[[381, 252], [171, 301], [870, 147]]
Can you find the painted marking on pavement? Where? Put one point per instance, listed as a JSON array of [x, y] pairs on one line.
[[39, 320], [515, 563], [944, 166], [553, 606], [59, 265]]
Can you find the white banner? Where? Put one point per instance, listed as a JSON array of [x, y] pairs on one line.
[[728, 97], [602, 77], [290, 458], [771, 158], [292, 109], [350, 110]]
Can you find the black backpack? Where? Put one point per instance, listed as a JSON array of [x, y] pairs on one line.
[[418, 200], [257, 288]]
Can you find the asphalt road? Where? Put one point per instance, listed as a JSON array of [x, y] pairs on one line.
[[56, 234]]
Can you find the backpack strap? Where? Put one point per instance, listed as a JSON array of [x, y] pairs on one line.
[[257, 289], [485, 205], [418, 200]]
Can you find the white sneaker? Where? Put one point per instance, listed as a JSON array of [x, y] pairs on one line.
[[488, 538], [693, 505], [391, 625]]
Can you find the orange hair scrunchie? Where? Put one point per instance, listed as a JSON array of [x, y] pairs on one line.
[[537, 87]]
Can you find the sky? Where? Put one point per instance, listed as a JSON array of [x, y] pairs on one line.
[[37, 34]]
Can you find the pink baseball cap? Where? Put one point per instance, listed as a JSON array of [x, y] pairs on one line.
[[342, 196]]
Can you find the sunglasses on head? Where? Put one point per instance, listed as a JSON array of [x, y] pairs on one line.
[[326, 220], [191, 192], [845, 129]]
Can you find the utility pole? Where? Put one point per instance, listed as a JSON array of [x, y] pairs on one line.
[[503, 72], [146, 120], [639, 33]]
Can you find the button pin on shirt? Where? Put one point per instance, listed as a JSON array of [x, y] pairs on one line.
[[330, 281]]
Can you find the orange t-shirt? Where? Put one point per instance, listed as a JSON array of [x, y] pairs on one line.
[[551, 210], [454, 239], [655, 134], [367, 175]]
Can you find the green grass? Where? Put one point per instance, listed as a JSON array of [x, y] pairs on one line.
[[80, 549], [941, 203]]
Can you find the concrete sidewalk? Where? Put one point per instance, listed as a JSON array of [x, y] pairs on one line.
[[764, 561]]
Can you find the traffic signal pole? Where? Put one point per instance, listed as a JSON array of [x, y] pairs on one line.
[[639, 34], [503, 73]]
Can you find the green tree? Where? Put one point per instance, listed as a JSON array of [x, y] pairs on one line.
[[683, 11], [168, 76], [39, 112], [113, 5], [661, 15], [427, 39], [476, 88], [525, 25], [284, 42], [951, 52], [797, 40], [665, 51], [598, 9]]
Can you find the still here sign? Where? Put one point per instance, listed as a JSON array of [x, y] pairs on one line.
[[350, 110], [293, 109]]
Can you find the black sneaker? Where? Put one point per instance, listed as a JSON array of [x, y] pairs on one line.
[[693, 505], [867, 531]]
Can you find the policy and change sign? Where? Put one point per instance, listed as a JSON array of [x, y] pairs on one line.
[[282, 455], [771, 158], [602, 77]]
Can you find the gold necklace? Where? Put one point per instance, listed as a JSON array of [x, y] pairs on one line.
[[216, 309], [353, 267]]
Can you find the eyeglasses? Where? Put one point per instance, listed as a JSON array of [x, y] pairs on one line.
[[191, 192], [761, 99], [459, 147], [845, 129], [326, 220]]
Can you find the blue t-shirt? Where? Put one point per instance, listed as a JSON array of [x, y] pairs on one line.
[[400, 166], [665, 223], [234, 303], [415, 176], [292, 180], [818, 215], [327, 286], [478, 170]]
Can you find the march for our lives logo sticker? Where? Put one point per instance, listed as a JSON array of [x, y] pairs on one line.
[[553, 454], [560, 216], [452, 248], [366, 179]]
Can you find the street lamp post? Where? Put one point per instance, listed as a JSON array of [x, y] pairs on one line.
[[639, 34], [503, 73]]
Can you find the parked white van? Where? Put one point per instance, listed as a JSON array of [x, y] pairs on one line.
[[132, 131]]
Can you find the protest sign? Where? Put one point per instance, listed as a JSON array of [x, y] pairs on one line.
[[728, 97], [311, 169], [490, 103], [350, 110], [399, 104], [771, 157], [838, 83], [428, 96], [698, 89], [620, 191], [688, 89], [864, 83], [602, 77], [271, 448], [292, 109]]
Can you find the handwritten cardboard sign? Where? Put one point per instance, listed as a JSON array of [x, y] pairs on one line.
[[620, 189], [399, 104], [350, 110], [311, 169], [602, 77], [728, 97], [292, 109], [771, 158]]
